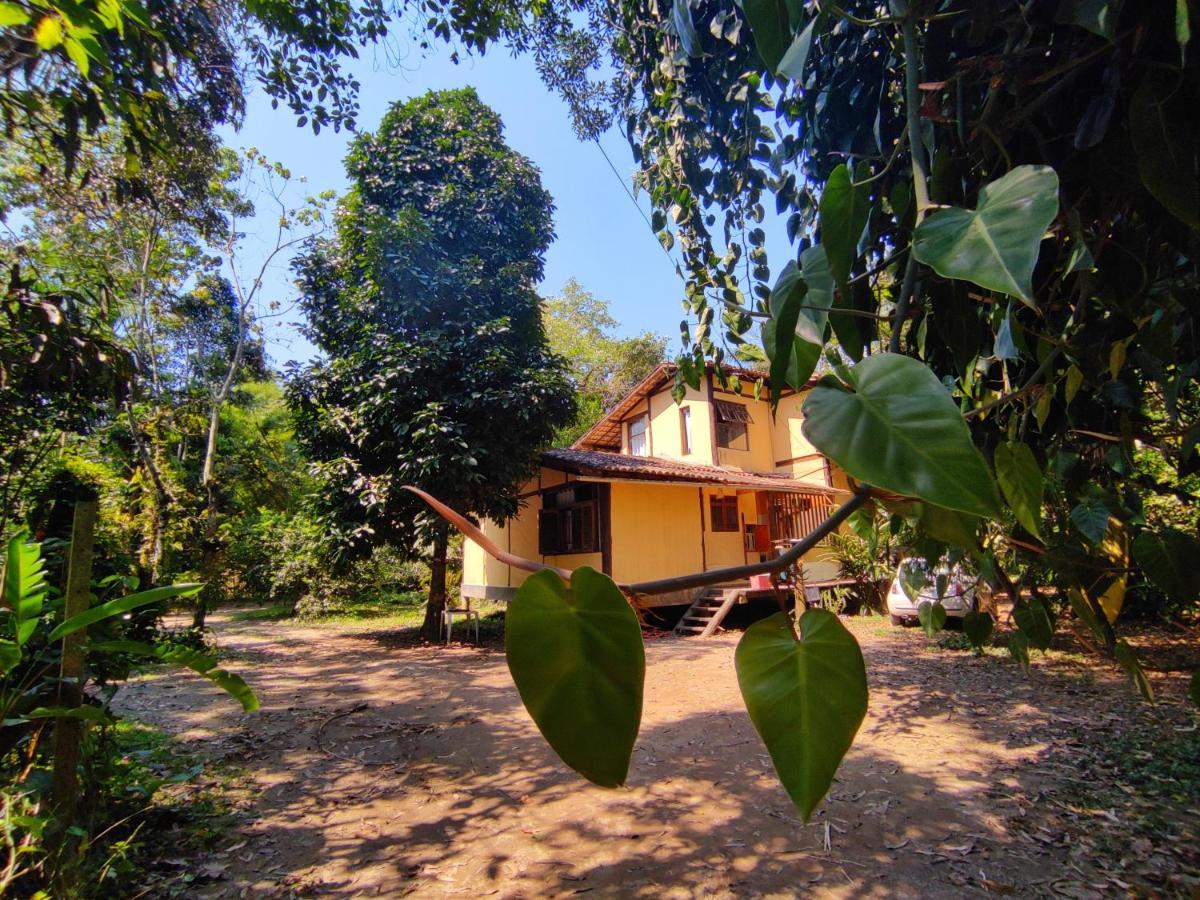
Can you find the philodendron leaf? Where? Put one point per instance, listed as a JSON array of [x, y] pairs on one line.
[[1020, 479], [799, 304], [806, 698], [771, 27], [978, 627], [1085, 613], [1035, 624], [898, 429], [844, 209], [1169, 559], [577, 658], [1091, 518], [996, 244], [932, 617]]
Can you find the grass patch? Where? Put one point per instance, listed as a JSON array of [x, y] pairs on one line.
[[263, 613]]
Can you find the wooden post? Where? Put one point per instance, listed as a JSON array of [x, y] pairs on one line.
[[68, 733]]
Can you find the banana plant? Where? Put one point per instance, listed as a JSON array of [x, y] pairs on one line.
[[32, 627]]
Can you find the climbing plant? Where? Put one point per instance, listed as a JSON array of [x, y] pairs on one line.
[[993, 217]]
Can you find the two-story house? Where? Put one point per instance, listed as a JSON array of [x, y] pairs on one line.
[[657, 489]]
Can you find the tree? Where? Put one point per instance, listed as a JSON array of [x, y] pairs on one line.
[[603, 368], [437, 372]]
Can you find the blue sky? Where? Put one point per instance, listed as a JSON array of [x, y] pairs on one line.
[[602, 239]]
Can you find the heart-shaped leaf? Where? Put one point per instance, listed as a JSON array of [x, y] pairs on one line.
[[996, 244], [1091, 518], [806, 698], [799, 304], [978, 627], [577, 658], [1020, 479], [771, 27], [1169, 560], [844, 209], [1035, 624], [896, 428], [932, 617]]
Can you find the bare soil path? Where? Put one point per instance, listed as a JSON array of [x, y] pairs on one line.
[[378, 768]]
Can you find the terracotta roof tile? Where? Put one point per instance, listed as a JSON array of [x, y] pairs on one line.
[[601, 464]]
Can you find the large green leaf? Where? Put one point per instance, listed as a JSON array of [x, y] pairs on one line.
[[806, 698], [844, 209], [1163, 127], [24, 585], [978, 627], [799, 305], [898, 429], [1084, 612], [996, 244], [10, 656], [1020, 479], [1091, 518], [771, 27], [122, 605], [577, 658], [1170, 560], [1097, 16], [197, 661], [1035, 624], [932, 617]]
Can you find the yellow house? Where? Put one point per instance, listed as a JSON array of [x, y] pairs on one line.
[[657, 489]]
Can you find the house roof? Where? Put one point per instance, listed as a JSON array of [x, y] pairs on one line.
[[601, 464], [606, 434]]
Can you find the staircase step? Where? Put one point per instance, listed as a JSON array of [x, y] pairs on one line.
[[688, 629]]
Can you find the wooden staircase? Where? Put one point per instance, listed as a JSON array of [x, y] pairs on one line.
[[707, 611]]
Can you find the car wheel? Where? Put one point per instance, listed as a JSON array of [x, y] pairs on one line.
[[897, 620]]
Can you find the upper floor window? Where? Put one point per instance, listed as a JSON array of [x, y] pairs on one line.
[[685, 429], [732, 419], [639, 445]]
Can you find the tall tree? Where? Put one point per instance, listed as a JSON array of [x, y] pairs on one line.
[[437, 371], [602, 366]]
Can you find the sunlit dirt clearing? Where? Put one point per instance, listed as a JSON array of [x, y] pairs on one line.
[[377, 768]]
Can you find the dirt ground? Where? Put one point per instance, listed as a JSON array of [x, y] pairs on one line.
[[378, 768]]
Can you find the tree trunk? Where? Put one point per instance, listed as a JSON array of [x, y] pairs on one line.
[[435, 610]]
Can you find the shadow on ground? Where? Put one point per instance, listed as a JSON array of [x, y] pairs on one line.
[[377, 769]]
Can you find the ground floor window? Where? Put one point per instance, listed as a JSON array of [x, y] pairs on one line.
[[568, 521], [723, 514]]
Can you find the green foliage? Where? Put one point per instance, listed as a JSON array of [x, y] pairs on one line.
[[996, 244], [931, 616], [577, 658], [806, 695], [978, 627], [894, 426], [437, 373], [603, 368], [1034, 621], [1018, 647], [1020, 478], [1169, 559]]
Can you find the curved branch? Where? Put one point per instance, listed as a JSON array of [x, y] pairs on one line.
[[664, 585], [485, 543]]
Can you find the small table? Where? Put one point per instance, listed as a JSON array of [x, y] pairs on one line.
[[470, 615]]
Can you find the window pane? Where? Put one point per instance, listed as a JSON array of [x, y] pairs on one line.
[[732, 436], [638, 445]]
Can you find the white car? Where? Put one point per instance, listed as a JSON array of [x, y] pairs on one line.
[[959, 597]]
